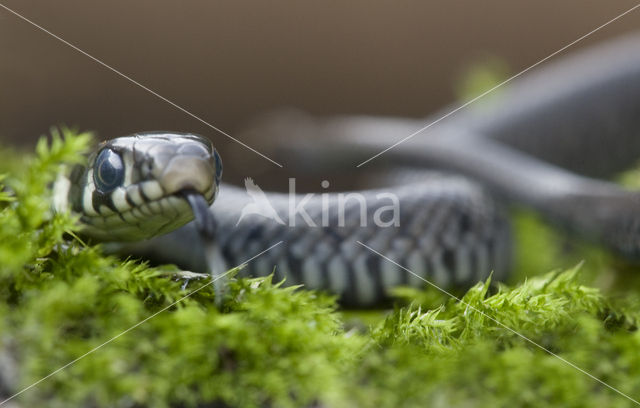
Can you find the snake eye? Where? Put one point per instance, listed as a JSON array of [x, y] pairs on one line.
[[218, 161], [108, 171]]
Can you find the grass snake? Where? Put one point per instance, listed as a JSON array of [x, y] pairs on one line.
[[547, 140]]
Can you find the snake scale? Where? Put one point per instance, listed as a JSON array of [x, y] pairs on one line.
[[546, 140]]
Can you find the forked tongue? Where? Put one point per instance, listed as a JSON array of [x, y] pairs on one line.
[[205, 223]]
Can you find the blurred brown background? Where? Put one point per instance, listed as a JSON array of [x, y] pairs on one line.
[[228, 61]]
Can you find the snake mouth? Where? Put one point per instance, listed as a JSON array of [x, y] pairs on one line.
[[205, 223]]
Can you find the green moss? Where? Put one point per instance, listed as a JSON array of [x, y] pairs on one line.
[[270, 345]]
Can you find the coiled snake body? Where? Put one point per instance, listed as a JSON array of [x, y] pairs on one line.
[[544, 141]]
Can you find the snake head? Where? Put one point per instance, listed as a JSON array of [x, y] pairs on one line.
[[136, 187]]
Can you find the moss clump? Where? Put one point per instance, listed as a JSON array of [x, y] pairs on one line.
[[465, 355], [61, 299], [267, 345]]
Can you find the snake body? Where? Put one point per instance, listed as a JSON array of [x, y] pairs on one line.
[[538, 142]]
